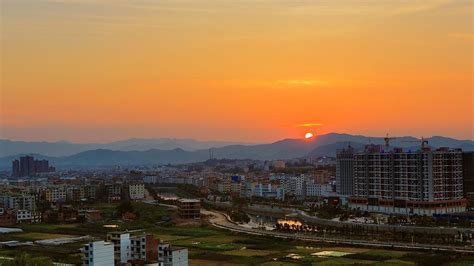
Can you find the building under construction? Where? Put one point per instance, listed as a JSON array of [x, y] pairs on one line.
[[423, 182]]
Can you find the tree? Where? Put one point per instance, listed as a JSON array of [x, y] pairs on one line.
[[125, 206]]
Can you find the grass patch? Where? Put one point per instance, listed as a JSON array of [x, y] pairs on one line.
[[249, 252], [32, 236]]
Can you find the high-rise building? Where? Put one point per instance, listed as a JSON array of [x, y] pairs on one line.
[[27, 166], [41, 166], [423, 182], [345, 171], [15, 168], [468, 174]]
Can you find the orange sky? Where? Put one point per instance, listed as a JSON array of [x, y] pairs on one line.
[[100, 70]]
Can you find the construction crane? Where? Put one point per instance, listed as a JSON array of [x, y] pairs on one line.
[[423, 141], [387, 140]]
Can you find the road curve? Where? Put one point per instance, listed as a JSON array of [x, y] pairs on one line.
[[222, 221]]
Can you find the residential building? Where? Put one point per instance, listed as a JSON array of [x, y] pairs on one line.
[[136, 191], [90, 192], [468, 174], [74, 193], [278, 164], [15, 168], [56, 194], [18, 201], [172, 256], [294, 185], [121, 241], [322, 176], [99, 253], [314, 189], [144, 248], [224, 186], [150, 179], [27, 166], [423, 182], [27, 216], [345, 171], [268, 190], [113, 192]]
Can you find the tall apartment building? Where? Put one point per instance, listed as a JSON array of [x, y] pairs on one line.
[[41, 166], [15, 168], [345, 171], [423, 182], [27, 166], [468, 174], [98, 253]]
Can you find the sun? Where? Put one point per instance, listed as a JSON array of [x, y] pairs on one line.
[[308, 135]]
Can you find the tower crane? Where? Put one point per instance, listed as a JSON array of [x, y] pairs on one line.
[[387, 140], [423, 141]]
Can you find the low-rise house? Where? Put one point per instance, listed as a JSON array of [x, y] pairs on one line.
[[172, 256], [98, 253]]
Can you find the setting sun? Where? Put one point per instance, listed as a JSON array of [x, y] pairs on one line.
[[308, 135]]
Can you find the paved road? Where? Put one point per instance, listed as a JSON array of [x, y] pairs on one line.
[[221, 220]]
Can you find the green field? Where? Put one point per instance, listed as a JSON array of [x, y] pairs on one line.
[[210, 246]]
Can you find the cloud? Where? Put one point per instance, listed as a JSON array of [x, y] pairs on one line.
[[309, 125], [302, 83]]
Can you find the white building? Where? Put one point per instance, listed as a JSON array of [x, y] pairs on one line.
[[136, 191], [268, 191], [314, 189], [172, 256], [98, 253], [294, 185], [121, 241]]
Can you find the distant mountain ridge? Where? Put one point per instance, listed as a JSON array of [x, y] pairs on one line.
[[65, 148], [323, 145]]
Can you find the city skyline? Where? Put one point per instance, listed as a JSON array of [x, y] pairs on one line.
[[251, 71]]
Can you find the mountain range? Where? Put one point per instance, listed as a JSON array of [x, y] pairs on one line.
[[176, 151], [65, 148]]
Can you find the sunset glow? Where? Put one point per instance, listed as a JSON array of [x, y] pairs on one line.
[[308, 135], [256, 71]]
